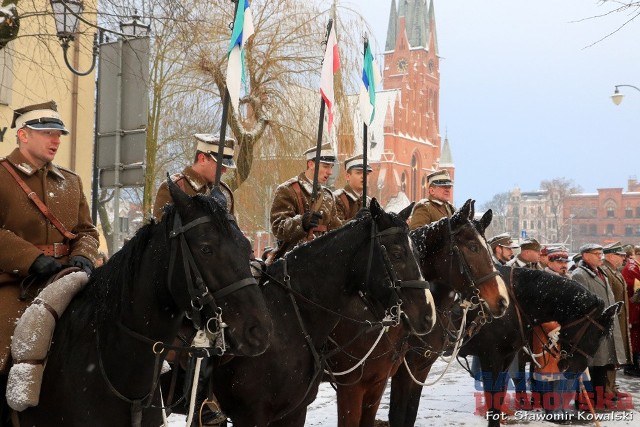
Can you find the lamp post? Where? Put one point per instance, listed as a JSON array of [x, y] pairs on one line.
[[135, 27], [66, 14], [617, 96]]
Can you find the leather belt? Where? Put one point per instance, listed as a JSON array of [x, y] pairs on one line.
[[56, 250]]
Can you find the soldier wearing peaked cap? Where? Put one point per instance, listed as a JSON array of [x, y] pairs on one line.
[[437, 205], [295, 218], [200, 176], [45, 223], [557, 261], [349, 198], [502, 247], [529, 255]]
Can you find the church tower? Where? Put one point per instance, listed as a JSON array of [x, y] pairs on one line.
[[412, 143]]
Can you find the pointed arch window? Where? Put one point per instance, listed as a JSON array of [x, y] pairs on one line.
[[414, 177], [423, 186]]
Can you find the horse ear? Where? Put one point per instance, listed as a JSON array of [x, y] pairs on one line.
[[462, 215], [612, 310], [406, 212], [485, 221], [472, 211], [375, 208], [180, 198]]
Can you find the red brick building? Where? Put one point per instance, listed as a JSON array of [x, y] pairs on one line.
[[610, 215], [407, 110]]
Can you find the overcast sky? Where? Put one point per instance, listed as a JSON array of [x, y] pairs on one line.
[[524, 99]]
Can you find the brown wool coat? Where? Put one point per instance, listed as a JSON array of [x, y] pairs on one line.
[[191, 183], [286, 218], [619, 289], [429, 210], [353, 204], [22, 225]]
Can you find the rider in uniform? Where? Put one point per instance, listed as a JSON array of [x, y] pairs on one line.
[[295, 218], [200, 176], [437, 205], [36, 245], [349, 198]]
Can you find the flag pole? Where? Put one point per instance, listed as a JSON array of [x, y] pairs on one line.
[[223, 122], [364, 142], [316, 169]]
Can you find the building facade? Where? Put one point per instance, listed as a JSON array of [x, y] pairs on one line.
[[531, 214], [405, 138]]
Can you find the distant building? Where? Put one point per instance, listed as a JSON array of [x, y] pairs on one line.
[[607, 216]]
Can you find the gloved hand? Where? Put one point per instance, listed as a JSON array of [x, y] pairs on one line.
[[554, 336], [311, 220], [45, 266], [83, 263]]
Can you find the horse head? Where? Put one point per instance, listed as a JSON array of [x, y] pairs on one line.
[[581, 338], [212, 281], [454, 252], [394, 274]]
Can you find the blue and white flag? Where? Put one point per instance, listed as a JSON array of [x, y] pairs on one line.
[[371, 80], [242, 30]]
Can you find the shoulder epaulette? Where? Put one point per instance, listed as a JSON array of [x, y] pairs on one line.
[[66, 170]]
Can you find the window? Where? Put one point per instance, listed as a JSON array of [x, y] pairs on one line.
[[124, 224], [610, 229], [611, 212], [539, 224], [540, 210], [628, 230], [593, 230], [594, 212], [414, 177], [628, 212], [638, 212], [423, 190], [638, 231], [403, 183], [583, 229]]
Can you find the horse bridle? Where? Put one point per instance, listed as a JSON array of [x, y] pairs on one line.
[[396, 285], [198, 291], [577, 337], [465, 269]]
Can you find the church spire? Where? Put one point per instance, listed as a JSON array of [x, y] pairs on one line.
[[446, 159], [431, 32], [392, 29]]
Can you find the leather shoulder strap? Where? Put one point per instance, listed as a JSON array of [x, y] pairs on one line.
[[345, 201], [39, 204], [298, 191]]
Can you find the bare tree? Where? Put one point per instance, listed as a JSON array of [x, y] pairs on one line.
[[558, 189], [498, 205]]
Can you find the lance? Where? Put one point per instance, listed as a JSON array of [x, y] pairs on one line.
[[364, 140], [316, 169], [223, 122]]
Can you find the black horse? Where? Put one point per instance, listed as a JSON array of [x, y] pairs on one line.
[[109, 345], [453, 257], [308, 291], [537, 297]]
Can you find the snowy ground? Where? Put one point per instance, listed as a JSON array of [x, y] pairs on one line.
[[452, 402]]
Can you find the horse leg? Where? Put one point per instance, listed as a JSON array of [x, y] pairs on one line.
[[405, 393], [494, 385], [295, 419], [371, 402], [349, 401]]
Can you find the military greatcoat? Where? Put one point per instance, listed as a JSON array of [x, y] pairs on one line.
[[191, 183], [619, 289], [429, 210], [22, 226], [611, 350], [286, 216], [348, 203]]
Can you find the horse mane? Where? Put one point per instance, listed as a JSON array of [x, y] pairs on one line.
[[429, 238], [103, 293], [566, 299]]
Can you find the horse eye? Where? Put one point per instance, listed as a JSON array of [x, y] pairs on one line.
[[206, 249], [473, 248]]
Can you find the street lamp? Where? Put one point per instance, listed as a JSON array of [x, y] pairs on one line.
[[135, 27], [617, 96], [66, 14]]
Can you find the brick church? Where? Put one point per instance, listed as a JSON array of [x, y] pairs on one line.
[[405, 140]]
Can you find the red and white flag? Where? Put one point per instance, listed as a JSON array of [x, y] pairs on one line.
[[330, 66]]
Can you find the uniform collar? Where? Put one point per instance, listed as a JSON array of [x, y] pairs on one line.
[[194, 178], [351, 193], [436, 201], [306, 184], [21, 163]]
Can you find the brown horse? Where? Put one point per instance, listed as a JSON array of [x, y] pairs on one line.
[[454, 258]]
